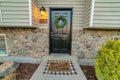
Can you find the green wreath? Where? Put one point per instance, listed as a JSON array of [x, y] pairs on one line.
[[56, 22]]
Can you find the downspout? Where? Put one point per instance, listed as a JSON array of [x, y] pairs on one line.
[[92, 12]]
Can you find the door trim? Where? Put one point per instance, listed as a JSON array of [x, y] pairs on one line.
[[50, 10]]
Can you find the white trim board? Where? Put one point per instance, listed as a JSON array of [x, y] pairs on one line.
[[92, 12], [30, 12]]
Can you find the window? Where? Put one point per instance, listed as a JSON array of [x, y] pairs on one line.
[[3, 45]]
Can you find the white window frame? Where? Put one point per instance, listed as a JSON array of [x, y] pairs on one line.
[[6, 54]]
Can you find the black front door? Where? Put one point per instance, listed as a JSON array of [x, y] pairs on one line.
[[60, 33]]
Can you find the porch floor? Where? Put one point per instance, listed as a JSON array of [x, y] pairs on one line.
[[41, 74]]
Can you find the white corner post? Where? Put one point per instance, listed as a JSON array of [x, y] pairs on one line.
[[92, 12], [30, 12]]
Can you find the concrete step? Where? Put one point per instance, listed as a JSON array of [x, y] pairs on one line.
[[40, 75]]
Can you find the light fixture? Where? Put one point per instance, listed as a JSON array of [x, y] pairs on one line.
[[43, 15], [42, 11]]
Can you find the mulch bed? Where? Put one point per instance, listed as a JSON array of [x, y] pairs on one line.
[[26, 70], [89, 72]]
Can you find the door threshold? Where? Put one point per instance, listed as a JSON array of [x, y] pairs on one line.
[[54, 54]]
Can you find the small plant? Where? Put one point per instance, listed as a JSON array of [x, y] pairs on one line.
[[107, 65], [11, 76]]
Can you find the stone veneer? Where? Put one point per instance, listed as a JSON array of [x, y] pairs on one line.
[[35, 42]]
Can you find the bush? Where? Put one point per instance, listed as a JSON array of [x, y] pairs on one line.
[[107, 65]]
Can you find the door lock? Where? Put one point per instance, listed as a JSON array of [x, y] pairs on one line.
[[51, 34]]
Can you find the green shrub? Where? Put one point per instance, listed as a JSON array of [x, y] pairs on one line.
[[107, 65]]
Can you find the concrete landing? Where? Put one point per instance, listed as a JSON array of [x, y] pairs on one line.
[[39, 75]]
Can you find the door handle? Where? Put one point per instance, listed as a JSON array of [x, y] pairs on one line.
[[51, 34]]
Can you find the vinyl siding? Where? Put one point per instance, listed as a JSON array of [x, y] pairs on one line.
[[0, 17], [14, 12], [87, 13], [18, 13], [35, 14], [107, 13], [77, 5]]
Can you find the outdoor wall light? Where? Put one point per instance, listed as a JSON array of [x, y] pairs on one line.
[[42, 11], [43, 15]]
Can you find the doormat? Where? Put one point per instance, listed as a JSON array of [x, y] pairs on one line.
[[59, 67]]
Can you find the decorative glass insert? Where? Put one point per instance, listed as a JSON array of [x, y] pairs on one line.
[[3, 47]]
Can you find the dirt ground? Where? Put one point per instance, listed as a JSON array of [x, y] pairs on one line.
[[26, 70]]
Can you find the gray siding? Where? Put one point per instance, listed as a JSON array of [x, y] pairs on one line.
[[0, 17], [14, 12], [107, 13], [87, 13], [18, 13], [77, 5]]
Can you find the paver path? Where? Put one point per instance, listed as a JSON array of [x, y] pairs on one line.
[[42, 74]]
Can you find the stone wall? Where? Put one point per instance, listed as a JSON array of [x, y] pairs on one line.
[[35, 42], [86, 43], [26, 42]]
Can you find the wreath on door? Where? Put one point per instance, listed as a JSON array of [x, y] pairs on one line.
[[56, 22]]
